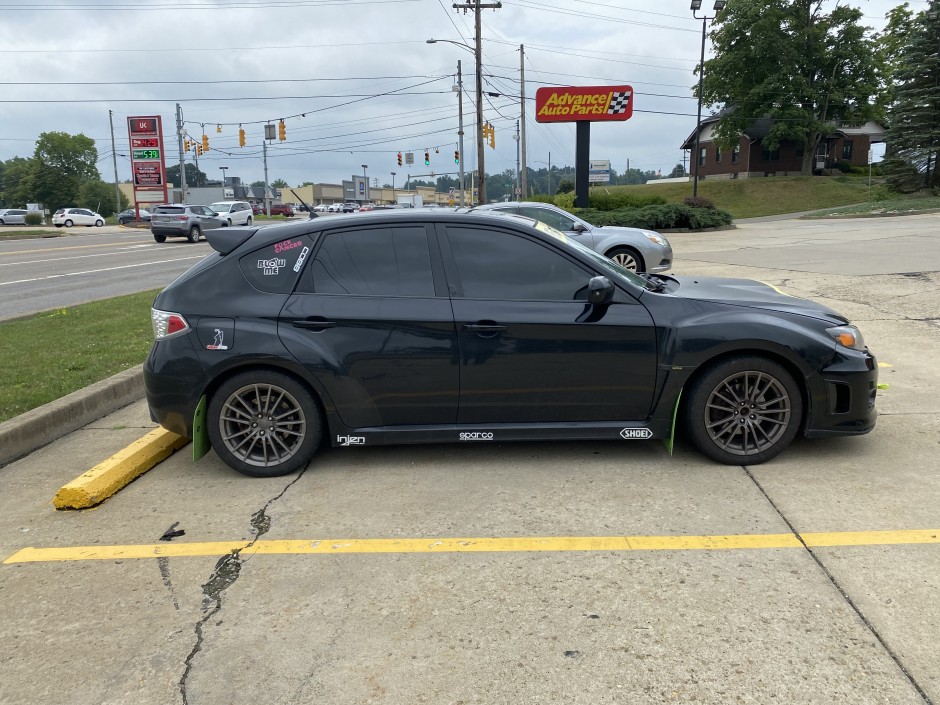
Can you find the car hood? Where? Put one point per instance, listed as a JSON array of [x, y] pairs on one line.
[[750, 293]]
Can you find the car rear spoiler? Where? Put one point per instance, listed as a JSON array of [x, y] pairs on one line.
[[224, 240]]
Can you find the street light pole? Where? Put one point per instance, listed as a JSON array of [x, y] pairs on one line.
[[479, 101], [365, 189], [463, 154], [223, 169], [394, 200], [697, 5]]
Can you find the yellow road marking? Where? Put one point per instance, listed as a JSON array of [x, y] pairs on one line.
[[885, 364], [478, 545]]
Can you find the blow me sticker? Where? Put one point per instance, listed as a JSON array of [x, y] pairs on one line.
[[589, 103]]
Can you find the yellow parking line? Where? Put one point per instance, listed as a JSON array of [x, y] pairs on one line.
[[478, 545]]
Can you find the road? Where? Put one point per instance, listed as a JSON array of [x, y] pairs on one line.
[[576, 573]]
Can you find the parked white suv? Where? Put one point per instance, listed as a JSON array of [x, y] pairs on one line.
[[235, 212]]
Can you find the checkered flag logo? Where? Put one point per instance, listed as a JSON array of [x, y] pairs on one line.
[[619, 100]]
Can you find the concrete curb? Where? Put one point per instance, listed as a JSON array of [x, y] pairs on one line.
[[23, 434]]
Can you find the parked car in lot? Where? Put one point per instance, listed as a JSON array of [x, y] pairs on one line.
[[284, 209], [183, 220], [408, 326], [634, 248], [350, 207], [234, 212], [129, 216], [335, 208], [320, 208], [257, 208], [76, 216], [13, 216], [365, 207]]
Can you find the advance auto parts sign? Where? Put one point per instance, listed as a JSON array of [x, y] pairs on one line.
[[591, 103]]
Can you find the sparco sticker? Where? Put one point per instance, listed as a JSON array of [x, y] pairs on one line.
[[476, 436]]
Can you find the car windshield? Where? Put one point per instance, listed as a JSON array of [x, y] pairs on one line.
[[221, 207]]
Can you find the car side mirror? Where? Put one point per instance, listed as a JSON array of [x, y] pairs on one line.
[[578, 228], [600, 290]]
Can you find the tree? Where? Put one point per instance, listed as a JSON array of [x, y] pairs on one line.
[[677, 171], [279, 183], [789, 61], [914, 116], [194, 177], [60, 165], [257, 183], [99, 196], [13, 182], [566, 186]]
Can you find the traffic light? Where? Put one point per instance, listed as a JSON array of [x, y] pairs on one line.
[[281, 131], [456, 156], [241, 137], [187, 145], [427, 159], [399, 159], [489, 132], [199, 149], [205, 143]]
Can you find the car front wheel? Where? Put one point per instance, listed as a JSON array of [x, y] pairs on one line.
[[99, 223], [628, 258], [249, 221], [264, 423], [193, 235], [744, 410]]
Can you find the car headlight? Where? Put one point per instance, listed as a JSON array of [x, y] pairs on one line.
[[657, 238], [849, 336]]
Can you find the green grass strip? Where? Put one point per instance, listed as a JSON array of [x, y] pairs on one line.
[[48, 355]]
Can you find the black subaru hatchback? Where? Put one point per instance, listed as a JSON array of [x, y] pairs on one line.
[[422, 326]]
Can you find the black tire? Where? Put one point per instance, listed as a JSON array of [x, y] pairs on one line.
[[193, 234], [264, 423], [249, 221], [68, 223], [99, 223], [744, 410], [628, 257], [159, 238], [58, 226], [1, 222], [229, 221]]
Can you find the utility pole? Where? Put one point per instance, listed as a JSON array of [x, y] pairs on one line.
[[525, 187], [179, 137], [478, 56], [463, 154], [267, 204], [549, 173], [117, 189], [518, 193]]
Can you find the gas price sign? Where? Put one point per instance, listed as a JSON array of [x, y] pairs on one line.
[[147, 162]]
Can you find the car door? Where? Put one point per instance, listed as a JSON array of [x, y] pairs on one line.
[[561, 222], [532, 350], [207, 218], [372, 321]]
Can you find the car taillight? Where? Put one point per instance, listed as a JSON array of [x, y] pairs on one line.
[[166, 324], [181, 218]]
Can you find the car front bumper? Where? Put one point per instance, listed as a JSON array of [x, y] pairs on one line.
[[843, 396]]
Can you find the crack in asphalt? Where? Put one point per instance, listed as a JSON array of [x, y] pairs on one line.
[[226, 572], [832, 579]]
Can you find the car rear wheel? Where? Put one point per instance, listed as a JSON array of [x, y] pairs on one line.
[[193, 235], [744, 410], [68, 223], [249, 221], [99, 223], [159, 238], [264, 423], [627, 257]]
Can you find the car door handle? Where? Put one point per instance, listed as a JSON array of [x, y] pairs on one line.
[[484, 327], [313, 323]]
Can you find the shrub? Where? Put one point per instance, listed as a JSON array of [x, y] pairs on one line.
[[660, 217], [34, 219], [698, 202], [605, 201]]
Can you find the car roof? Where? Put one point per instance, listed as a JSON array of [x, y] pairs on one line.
[[228, 239]]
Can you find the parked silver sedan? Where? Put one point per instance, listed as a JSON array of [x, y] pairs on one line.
[[12, 216], [634, 248]]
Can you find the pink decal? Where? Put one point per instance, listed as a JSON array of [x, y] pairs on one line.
[[286, 245]]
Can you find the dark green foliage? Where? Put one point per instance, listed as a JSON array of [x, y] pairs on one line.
[[34, 218], [698, 202], [566, 186], [99, 197], [660, 217], [605, 201]]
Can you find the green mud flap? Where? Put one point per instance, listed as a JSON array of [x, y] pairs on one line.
[[669, 442], [201, 444]]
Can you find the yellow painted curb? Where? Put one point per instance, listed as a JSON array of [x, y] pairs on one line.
[[103, 480]]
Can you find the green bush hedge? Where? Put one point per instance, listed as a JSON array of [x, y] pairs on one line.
[[34, 218], [603, 201], [659, 217]]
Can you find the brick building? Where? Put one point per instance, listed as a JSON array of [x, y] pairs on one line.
[[847, 143]]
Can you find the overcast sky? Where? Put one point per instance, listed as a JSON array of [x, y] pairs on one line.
[[355, 79]]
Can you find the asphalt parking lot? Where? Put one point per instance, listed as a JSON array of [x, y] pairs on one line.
[[529, 573]]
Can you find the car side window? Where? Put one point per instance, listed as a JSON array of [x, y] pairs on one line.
[[503, 265], [391, 261], [275, 268], [549, 217]]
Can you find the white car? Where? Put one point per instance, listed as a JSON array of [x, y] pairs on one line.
[[322, 208], [335, 208], [234, 212], [12, 216], [76, 216]]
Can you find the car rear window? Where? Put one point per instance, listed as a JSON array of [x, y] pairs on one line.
[[167, 209], [275, 268]]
